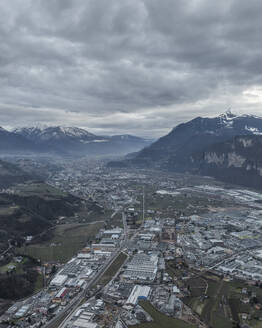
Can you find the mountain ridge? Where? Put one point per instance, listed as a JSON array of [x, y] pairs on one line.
[[237, 161], [179, 150], [67, 141]]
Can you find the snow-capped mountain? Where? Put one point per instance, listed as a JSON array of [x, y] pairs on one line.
[[11, 142], [39, 134], [174, 151], [250, 123], [227, 147], [73, 140], [3, 130]]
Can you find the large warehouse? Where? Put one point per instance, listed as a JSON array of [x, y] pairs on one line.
[[58, 280], [142, 267], [138, 292]]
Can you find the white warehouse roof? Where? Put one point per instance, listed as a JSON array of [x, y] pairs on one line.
[[84, 324], [138, 292], [59, 280], [113, 231]]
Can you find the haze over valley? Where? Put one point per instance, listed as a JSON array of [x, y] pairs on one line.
[[130, 164]]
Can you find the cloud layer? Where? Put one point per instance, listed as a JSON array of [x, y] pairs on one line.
[[128, 66]]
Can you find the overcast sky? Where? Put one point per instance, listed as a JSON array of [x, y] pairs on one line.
[[128, 66]]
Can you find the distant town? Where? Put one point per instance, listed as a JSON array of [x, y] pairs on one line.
[[178, 248]]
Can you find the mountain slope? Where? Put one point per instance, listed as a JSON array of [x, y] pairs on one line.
[[13, 143], [76, 141], [11, 174], [58, 139], [55, 133], [173, 151], [28, 206], [238, 161], [31, 208]]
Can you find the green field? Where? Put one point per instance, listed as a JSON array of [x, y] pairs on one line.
[[112, 270], [8, 210], [160, 320], [19, 267], [221, 305], [5, 268], [21, 270], [40, 189], [255, 324], [188, 203], [39, 283], [68, 239]]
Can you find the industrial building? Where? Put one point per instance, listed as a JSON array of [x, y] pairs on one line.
[[60, 295], [142, 267], [258, 254], [58, 280], [22, 311], [84, 324], [109, 247], [112, 232], [174, 304], [138, 292]]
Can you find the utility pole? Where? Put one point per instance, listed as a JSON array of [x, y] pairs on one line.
[[44, 276], [143, 217], [175, 244]]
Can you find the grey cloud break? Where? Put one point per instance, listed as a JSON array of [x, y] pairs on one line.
[[127, 66]]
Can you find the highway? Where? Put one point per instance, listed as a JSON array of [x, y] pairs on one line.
[[61, 318], [71, 307], [233, 256]]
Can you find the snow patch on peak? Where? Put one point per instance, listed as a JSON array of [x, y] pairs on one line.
[[251, 116], [228, 115], [48, 132], [253, 130], [40, 126], [30, 129], [228, 119], [74, 131]]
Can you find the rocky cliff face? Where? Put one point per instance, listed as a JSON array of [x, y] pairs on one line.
[[173, 151], [227, 147], [238, 160]]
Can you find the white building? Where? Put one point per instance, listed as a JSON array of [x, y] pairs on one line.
[[142, 267], [138, 292], [58, 280]]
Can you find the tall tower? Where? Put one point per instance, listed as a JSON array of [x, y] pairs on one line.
[[143, 215]]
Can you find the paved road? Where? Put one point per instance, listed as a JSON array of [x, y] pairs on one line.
[[64, 315], [125, 227], [231, 257], [8, 249], [71, 307]]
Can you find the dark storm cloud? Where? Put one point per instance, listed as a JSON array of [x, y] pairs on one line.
[[128, 66]]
